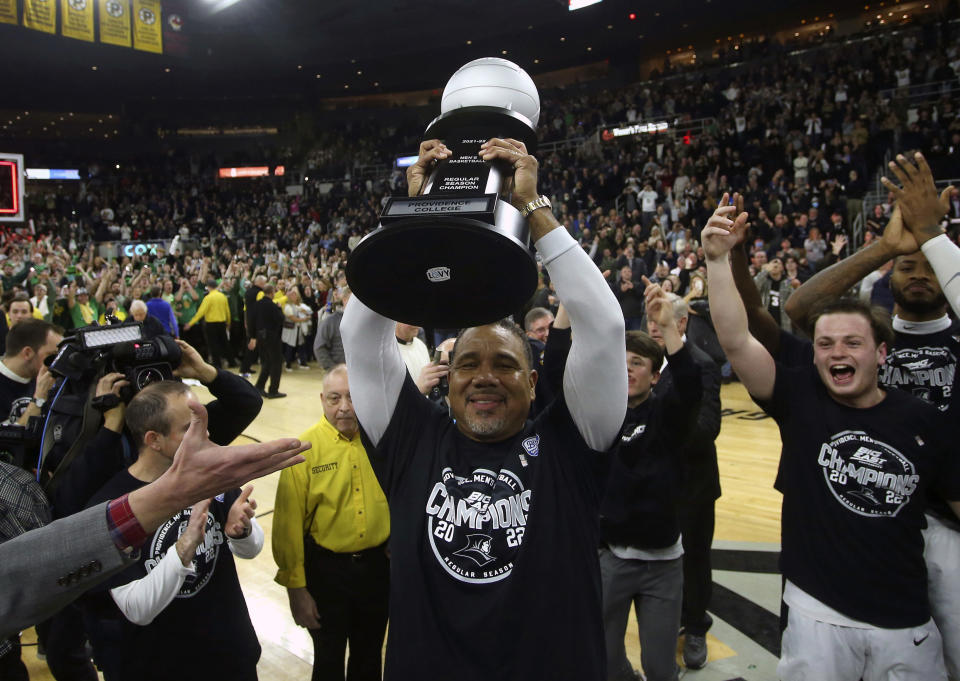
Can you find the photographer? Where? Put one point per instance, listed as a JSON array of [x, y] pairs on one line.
[[24, 380], [43, 569], [235, 406]]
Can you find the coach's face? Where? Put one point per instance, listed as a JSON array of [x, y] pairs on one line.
[[491, 384]]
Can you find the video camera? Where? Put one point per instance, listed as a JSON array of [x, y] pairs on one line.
[[95, 351], [71, 414], [19, 444]]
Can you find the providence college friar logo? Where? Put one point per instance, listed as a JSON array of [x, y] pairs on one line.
[[475, 534], [868, 476], [205, 559]]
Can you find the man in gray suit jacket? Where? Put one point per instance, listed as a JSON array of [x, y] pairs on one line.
[[44, 569]]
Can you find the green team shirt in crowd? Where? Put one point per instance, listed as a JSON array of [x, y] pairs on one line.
[[60, 314], [187, 307], [77, 313], [235, 300]]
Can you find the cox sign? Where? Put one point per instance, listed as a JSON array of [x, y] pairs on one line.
[[150, 248]]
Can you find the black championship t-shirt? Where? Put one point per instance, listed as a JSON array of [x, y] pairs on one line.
[[925, 365], [493, 570], [853, 484], [205, 632]]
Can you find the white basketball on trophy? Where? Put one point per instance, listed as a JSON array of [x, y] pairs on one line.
[[492, 81]]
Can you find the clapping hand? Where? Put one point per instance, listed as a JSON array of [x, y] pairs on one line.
[[239, 519], [921, 207], [192, 537]]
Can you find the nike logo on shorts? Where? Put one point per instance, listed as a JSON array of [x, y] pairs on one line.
[[916, 642]]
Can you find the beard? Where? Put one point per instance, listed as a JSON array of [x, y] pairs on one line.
[[921, 306], [484, 427]]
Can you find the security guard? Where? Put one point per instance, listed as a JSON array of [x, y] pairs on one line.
[[330, 528]]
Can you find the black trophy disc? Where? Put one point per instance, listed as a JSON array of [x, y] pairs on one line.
[[449, 273], [495, 121]]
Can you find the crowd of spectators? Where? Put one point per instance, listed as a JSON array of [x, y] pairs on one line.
[[799, 135]]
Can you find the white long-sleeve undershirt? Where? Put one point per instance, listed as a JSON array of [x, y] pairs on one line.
[[594, 382], [143, 599], [944, 257]]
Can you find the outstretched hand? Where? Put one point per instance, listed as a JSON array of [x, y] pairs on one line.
[[431, 151], [921, 206], [720, 234], [202, 469]]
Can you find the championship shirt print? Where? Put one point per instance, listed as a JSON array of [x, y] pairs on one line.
[[205, 559], [476, 524], [926, 372], [867, 476]]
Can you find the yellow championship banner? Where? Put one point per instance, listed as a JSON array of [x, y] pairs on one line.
[[115, 22], [76, 19], [40, 15], [147, 27], [8, 11]]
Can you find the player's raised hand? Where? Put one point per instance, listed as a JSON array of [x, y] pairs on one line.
[[659, 307], [921, 206], [720, 234]]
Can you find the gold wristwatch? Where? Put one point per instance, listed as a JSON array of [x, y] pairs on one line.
[[539, 202]]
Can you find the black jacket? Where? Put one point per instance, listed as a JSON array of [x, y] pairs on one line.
[[639, 506], [267, 320], [702, 479], [249, 307]]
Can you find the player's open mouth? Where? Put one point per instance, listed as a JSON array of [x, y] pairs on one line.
[[842, 374]]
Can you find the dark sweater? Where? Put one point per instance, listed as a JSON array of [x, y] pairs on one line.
[[639, 507]]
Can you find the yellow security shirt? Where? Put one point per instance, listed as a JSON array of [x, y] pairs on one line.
[[334, 491], [280, 298], [213, 308]]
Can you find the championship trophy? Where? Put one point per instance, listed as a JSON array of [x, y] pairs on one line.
[[457, 255]]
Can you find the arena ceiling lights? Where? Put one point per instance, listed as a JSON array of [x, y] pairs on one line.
[[580, 4]]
